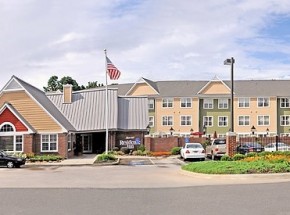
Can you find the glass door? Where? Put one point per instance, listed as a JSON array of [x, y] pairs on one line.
[[87, 143]]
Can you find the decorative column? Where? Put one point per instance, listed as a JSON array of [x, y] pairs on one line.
[[231, 143]]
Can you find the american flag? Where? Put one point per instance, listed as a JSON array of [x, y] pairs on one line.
[[112, 71]]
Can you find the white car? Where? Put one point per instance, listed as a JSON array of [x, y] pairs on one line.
[[193, 150], [271, 147]]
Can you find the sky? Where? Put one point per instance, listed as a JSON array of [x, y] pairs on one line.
[[158, 40]]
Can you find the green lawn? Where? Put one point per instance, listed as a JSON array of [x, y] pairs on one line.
[[262, 163]]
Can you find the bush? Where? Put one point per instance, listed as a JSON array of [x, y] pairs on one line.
[[106, 157], [120, 153], [252, 154], [175, 150], [115, 149], [125, 150], [141, 148], [226, 158], [238, 157]]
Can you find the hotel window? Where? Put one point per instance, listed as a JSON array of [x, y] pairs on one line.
[[208, 121], [185, 120], [167, 120], [208, 103], [284, 120], [167, 103], [223, 121], [223, 103], [151, 104], [284, 102], [151, 121], [6, 128], [244, 102], [69, 142], [19, 143], [48, 142], [185, 102], [263, 102], [244, 120], [263, 120]]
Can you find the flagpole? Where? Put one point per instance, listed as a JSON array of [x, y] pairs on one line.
[[106, 107]]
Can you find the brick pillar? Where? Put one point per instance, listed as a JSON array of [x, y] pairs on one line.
[[62, 145], [231, 143], [147, 142], [27, 143]]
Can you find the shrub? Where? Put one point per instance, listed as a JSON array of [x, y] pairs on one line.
[[106, 157], [175, 150], [141, 148], [120, 153], [125, 150], [238, 157], [226, 158], [115, 149], [160, 153], [252, 154]]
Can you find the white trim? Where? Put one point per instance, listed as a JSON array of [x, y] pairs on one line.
[[281, 102], [167, 102], [186, 120], [263, 120], [140, 81], [215, 79], [167, 120], [49, 142], [244, 119], [263, 102], [227, 121], [212, 103], [203, 121], [227, 103], [153, 125], [243, 102], [186, 102]]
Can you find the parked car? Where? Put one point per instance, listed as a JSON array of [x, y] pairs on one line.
[[245, 148], [271, 147], [192, 150], [216, 149], [10, 161]]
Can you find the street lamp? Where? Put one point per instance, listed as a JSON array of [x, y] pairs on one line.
[[204, 129], [231, 62], [267, 130], [148, 129], [191, 131], [253, 129], [171, 131]]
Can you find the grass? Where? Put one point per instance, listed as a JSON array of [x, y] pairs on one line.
[[263, 163]]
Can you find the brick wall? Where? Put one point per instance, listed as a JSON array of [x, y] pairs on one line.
[[165, 144], [62, 145], [28, 143]]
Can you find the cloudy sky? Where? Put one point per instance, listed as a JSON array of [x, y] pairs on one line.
[[158, 40]]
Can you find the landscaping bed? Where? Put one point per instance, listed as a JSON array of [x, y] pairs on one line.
[[265, 162]]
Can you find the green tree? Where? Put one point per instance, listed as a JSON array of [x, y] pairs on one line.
[[93, 84], [52, 84], [69, 80]]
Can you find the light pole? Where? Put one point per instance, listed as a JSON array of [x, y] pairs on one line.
[[253, 129], [231, 62], [171, 131]]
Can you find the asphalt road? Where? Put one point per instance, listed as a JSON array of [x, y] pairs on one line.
[[160, 188]]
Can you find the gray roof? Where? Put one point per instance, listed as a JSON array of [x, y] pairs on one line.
[[133, 113], [45, 103], [247, 88], [87, 110]]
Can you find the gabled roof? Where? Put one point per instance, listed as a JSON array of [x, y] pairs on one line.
[[215, 79], [242, 88], [39, 97], [147, 81], [18, 116]]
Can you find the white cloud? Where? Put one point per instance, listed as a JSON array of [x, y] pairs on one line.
[[159, 40]]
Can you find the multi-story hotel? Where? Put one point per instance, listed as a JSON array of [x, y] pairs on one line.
[[261, 107]]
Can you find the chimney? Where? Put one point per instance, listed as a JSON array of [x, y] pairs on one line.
[[67, 93]]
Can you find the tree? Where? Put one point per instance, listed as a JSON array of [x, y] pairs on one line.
[[52, 84]]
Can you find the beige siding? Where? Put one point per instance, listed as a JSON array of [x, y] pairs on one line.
[[176, 111], [253, 112], [142, 89], [216, 88], [31, 111]]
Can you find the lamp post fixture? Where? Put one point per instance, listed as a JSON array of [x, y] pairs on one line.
[[171, 131], [191, 131], [148, 129], [204, 129], [267, 131], [253, 129], [231, 61]]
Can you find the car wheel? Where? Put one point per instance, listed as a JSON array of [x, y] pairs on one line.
[[10, 164]]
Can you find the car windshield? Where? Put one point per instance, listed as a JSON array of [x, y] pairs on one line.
[[219, 141], [194, 146]]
